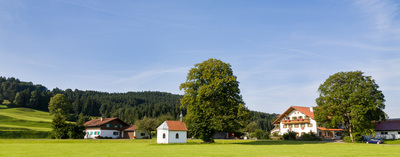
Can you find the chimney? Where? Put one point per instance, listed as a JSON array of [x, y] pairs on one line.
[[181, 116], [311, 109], [102, 118]]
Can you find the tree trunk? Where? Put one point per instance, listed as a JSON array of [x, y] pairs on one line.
[[351, 133]]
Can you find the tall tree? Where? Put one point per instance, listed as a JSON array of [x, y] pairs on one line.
[[59, 104], [59, 107], [213, 100], [351, 100], [59, 127], [146, 124]]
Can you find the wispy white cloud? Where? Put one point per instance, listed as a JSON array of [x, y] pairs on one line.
[[126, 15], [383, 15]]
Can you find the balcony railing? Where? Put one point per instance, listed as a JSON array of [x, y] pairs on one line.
[[296, 121]]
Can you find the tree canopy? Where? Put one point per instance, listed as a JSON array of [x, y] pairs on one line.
[[213, 100], [350, 100], [147, 124], [59, 104]]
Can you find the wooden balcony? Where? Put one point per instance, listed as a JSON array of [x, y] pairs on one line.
[[297, 121]]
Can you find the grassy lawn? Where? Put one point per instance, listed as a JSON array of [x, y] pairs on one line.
[[20, 147], [392, 141], [24, 123]]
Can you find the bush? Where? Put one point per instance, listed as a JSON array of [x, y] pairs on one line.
[[259, 134], [311, 136], [290, 135], [347, 139]]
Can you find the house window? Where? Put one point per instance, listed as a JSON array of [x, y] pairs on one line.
[[115, 133], [307, 117], [91, 133], [294, 118], [115, 125], [310, 125], [296, 125], [88, 133], [163, 135], [177, 136], [284, 126], [300, 117], [107, 125], [142, 134]]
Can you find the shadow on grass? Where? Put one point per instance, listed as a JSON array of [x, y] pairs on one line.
[[279, 142]]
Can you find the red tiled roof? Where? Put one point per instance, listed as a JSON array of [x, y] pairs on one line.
[[325, 129], [98, 122], [389, 125], [131, 128], [176, 125], [304, 110]]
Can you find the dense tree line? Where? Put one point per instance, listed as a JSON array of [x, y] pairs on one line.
[[130, 107], [263, 120]]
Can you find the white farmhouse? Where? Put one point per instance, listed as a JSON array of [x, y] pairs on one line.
[[172, 132], [301, 120]]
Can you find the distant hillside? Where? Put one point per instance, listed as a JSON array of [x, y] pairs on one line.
[[24, 123], [129, 107]]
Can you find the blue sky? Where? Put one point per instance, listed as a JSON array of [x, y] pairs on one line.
[[281, 51]]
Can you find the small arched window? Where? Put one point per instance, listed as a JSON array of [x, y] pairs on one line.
[[163, 135], [177, 136]]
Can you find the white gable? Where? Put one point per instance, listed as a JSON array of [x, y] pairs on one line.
[[163, 126]]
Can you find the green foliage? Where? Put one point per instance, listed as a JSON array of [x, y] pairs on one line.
[[311, 136], [251, 127], [259, 134], [59, 104], [263, 120], [59, 127], [290, 135], [352, 100], [147, 124], [75, 131], [213, 100], [347, 139]]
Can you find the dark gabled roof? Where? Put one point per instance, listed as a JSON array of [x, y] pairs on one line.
[[304, 110], [389, 125], [130, 128], [98, 122]]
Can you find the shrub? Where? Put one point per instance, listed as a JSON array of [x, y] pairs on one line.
[[275, 134], [311, 136], [347, 139], [290, 135], [259, 134]]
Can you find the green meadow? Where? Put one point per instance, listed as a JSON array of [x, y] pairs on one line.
[[24, 123], [48, 147]]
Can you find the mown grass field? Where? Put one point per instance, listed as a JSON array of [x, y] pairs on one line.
[[43, 147], [24, 123]]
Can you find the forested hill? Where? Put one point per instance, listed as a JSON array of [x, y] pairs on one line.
[[129, 106]]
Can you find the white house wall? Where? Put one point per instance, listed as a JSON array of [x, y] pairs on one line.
[[389, 135], [102, 133], [172, 137], [296, 113], [138, 134], [160, 138]]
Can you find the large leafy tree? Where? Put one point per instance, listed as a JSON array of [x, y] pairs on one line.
[[147, 124], [213, 100], [351, 100], [59, 104], [59, 107]]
